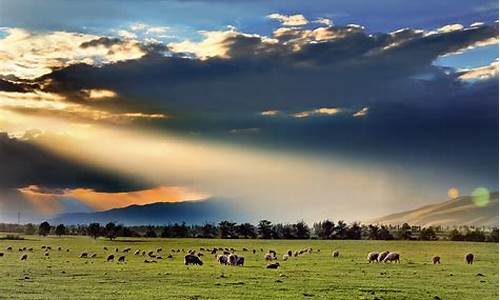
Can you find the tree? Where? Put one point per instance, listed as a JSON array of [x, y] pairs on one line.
[[341, 230], [354, 232], [208, 231], [302, 230], [264, 229], [289, 232], [324, 230], [493, 236], [180, 230], [373, 232], [427, 234], [111, 231], [227, 230], [94, 230], [60, 230], [166, 232], [246, 230], [44, 228], [455, 235], [150, 232], [384, 234], [404, 232], [29, 229]]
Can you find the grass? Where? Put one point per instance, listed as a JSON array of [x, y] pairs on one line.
[[63, 275]]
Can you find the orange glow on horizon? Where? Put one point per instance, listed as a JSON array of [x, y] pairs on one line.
[[48, 201]]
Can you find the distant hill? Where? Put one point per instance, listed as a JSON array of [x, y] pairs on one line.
[[160, 213], [460, 211]]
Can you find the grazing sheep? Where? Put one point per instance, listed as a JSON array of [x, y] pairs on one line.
[[146, 261], [116, 249], [137, 252], [20, 249], [240, 261], [382, 255], [59, 248], [67, 250], [159, 257], [309, 250], [222, 259], [158, 250], [202, 249], [111, 257], [121, 259], [49, 248], [30, 249], [170, 256], [9, 248], [436, 260], [199, 254], [143, 253], [469, 258], [245, 249], [1, 254], [372, 257], [93, 255], [46, 254], [295, 253], [273, 252], [214, 251], [43, 247], [151, 254], [84, 255], [254, 251], [269, 257], [226, 252], [273, 265], [232, 258], [335, 253], [285, 256], [289, 252], [392, 257], [106, 248], [24, 257], [190, 259]]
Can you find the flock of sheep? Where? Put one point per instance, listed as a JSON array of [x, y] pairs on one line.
[[226, 256]]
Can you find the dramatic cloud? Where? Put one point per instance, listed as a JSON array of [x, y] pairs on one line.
[[481, 73], [291, 20], [28, 55]]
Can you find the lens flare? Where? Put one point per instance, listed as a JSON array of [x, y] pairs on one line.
[[481, 196], [453, 193]]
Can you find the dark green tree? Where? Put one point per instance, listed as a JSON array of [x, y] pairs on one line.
[[44, 228], [60, 230], [94, 230], [264, 229], [302, 231]]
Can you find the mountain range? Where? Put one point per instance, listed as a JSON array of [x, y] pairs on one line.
[[459, 211], [160, 213]]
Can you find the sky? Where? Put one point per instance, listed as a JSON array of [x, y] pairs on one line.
[[326, 109]]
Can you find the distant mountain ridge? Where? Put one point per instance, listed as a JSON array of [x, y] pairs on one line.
[[460, 211], [160, 213]]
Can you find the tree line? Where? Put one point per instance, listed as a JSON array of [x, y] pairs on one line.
[[265, 229]]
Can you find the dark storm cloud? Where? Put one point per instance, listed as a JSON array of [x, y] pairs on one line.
[[25, 164], [304, 71]]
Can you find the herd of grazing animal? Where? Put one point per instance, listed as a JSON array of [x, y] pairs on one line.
[[227, 256]]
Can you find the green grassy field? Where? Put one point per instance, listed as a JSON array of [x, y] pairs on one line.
[[63, 275]]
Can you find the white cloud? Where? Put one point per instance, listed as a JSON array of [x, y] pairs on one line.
[[324, 21], [481, 73], [291, 20], [29, 55], [324, 111], [361, 113]]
